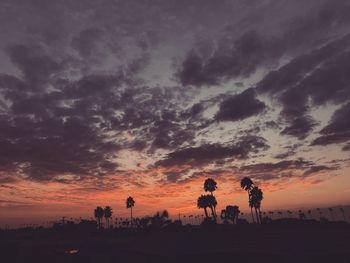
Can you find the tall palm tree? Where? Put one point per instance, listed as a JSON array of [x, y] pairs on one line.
[[256, 196], [202, 202], [210, 186], [98, 213], [130, 203], [212, 204], [108, 214], [247, 185]]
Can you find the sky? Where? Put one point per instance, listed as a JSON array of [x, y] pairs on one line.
[[105, 99]]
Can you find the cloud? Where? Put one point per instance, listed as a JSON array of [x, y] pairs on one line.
[[284, 169], [208, 153], [239, 107], [236, 58], [338, 130]]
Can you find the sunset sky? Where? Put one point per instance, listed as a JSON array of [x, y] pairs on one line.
[[102, 99]]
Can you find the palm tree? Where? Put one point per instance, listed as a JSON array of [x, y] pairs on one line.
[[108, 214], [320, 212], [256, 196], [98, 213], [212, 204], [202, 202], [301, 215], [309, 213], [247, 184], [343, 212], [331, 212], [205, 201], [210, 186], [130, 203]]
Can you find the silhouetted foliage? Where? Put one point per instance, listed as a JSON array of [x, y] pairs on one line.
[[230, 213], [99, 213], [247, 185], [108, 214], [130, 203]]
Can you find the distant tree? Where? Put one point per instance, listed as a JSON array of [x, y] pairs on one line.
[[159, 220], [331, 212], [247, 185], [301, 215], [343, 212], [320, 212], [99, 213], [130, 203], [230, 213], [309, 213], [210, 186], [108, 214], [290, 213]]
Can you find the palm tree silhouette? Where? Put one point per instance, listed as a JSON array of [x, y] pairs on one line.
[[256, 196], [99, 213], [212, 204], [130, 203], [108, 214], [301, 215], [331, 212], [343, 212], [247, 184], [320, 212], [202, 202], [309, 213], [210, 186]]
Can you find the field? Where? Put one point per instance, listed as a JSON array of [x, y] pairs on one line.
[[292, 243]]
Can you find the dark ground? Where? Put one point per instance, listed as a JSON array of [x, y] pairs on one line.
[[269, 243]]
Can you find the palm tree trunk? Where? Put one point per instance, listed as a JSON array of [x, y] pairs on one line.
[[130, 216], [214, 207], [260, 216], [213, 213], [257, 215], [251, 208], [206, 213], [251, 211]]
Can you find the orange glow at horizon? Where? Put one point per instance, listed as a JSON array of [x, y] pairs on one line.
[[33, 201]]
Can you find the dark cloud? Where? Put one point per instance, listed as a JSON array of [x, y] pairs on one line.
[[240, 56], [86, 87], [208, 153], [232, 59], [338, 130], [240, 106], [287, 168], [309, 80]]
